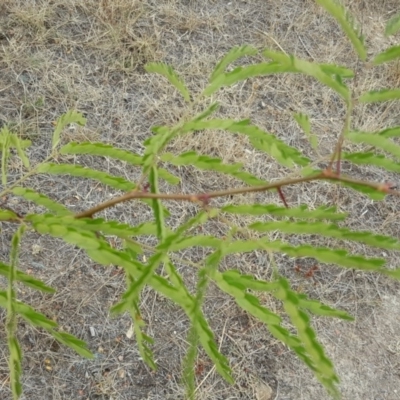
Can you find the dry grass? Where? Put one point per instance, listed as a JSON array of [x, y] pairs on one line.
[[89, 55]]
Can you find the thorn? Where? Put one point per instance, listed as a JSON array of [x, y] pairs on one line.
[[281, 195]]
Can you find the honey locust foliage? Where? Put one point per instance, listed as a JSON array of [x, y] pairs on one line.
[[159, 270]]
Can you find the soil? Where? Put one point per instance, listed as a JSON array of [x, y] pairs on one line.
[[90, 56]]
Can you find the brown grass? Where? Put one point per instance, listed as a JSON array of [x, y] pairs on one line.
[[89, 55]]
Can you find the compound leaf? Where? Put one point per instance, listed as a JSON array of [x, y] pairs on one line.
[[380, 95], [169, 73], [345, 20], [8, 215], [41, 200], [328, 230], [214, 164], [388, 55], [70, 117], [230, 57], [372, 159], [393, 25], [26, 279], [319, 308], [168, 177], [261, 140], [297, 65], [304, 122], [377, 141], [103, 150], [323, 254], [84, 172], [73, 343], [302, 211], [323, 367]]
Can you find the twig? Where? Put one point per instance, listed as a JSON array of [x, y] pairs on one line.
[[328, 174]]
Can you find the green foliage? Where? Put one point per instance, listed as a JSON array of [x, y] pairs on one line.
[[70, 117], [304, 122], [169, 73], [261, 140], [213, 164], [393, 25], [230, 57], [160, 269], [380, 95], [377, 141], [346, 22], [78, 170], [103, 150], [388, 55], [302, 211], [9, 141]]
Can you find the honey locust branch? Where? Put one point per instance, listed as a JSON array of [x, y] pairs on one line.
[[205, 197]]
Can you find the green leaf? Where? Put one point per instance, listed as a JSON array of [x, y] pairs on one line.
[[237, 279], [323, 367], [319, 308], [333, 69], [261, 140], [26, 279], [132, 294], [393, 25], [390, 132], [379, 142], [345, 20], [8, 215], [388, 55], [181, 296], [84, 172], [157, 205], [169, 73], [372, 193], [188, 364], [155, 144], [207, 112], [5, 143], [252, 305], [297, 65], [168, 177], [73, 343], [142, 339], [15, 358], [231, 56], [243, 73], [372, 159], [282, 64], [304, 122], [328, 230], [70, 117], [20, 145], [380, 95], [302, 211], [41, 200], [10, 140], [245, 300], [325, 255], [394, 274], [15, 362], [204, 162], [103, 150], [33, 317], [94, 225]]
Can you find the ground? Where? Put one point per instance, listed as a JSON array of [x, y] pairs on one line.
[[90, 56]]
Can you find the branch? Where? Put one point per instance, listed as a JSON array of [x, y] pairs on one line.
[[202, 197]]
